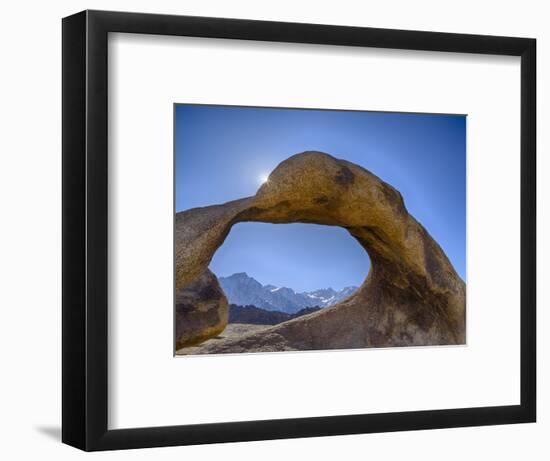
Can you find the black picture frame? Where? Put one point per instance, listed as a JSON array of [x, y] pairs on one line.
[[85, 219]]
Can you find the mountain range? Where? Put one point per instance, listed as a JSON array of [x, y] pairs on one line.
[[243, 290], [256, 316]]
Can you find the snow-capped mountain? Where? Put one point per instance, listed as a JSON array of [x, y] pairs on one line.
[[243, 290]]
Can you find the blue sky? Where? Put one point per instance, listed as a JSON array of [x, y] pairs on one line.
[[223, 152]]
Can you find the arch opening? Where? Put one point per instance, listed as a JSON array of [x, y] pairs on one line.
[[287, 268]]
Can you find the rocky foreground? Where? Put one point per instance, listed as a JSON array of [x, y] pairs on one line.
[[231, 332], [412, 295]]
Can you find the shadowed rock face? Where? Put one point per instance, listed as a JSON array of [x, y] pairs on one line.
[[201, 311], [412, 295]]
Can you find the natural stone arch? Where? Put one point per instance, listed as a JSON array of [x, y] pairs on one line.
[[412, 295]]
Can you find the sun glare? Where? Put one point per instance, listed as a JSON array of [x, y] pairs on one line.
[[263, 178]]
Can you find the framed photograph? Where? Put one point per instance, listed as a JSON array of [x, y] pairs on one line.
[[279, 230]]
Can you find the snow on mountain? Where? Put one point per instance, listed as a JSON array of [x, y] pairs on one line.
[[243, 290]]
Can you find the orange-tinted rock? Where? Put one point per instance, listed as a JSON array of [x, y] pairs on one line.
[[412, 295]]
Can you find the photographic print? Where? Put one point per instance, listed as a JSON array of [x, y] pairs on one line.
[[313, 229]]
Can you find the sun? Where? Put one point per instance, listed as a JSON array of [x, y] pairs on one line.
[[263, 178]]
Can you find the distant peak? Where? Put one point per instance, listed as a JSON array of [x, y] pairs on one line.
[[241, 289]]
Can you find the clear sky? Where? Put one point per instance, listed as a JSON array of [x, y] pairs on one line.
[[222, 154]]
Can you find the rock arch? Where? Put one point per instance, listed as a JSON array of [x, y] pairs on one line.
[[412, 295]]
